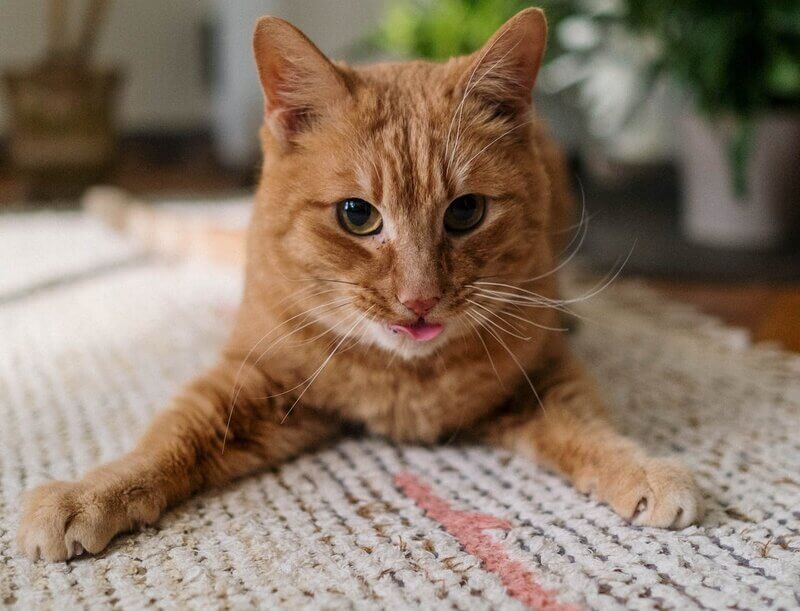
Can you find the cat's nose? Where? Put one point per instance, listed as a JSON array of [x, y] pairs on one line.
[[420, 305]]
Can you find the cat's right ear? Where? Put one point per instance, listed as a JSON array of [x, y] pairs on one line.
[[297, 79]]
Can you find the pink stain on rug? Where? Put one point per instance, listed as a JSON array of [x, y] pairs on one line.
[[469, 528]]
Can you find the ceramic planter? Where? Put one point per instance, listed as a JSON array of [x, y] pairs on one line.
[[762, 216]]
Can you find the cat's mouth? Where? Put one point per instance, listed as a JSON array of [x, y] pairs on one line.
[[420, 330]]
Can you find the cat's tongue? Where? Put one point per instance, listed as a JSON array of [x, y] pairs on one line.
[[420, 331]]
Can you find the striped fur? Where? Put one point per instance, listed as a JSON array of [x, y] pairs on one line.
[[311, 351]]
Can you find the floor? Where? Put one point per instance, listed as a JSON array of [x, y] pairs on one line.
[[770, 311]]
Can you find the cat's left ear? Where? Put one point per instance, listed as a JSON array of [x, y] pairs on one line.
[[504, 71], [299, 82]]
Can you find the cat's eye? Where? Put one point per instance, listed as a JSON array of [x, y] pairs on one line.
[[465, 213], [359, 217]]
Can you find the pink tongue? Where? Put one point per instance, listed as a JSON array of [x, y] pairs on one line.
[[421, 332]]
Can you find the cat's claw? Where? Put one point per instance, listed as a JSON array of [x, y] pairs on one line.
[[63, 520], [656, 492]]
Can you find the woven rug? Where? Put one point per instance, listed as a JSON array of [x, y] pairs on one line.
[[95, 338]]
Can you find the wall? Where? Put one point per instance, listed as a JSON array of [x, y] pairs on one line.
[[156, 42], [334, 25]]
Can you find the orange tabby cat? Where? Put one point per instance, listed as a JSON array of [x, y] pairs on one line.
[[406, 212]]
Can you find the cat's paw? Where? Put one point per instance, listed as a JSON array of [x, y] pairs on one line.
[[654, 492], [61, 520]]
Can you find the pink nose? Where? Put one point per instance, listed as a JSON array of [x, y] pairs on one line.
[[421, 307]]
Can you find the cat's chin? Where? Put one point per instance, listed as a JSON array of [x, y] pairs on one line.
[[405, 345]]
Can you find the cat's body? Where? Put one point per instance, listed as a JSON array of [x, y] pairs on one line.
[[440, 320]]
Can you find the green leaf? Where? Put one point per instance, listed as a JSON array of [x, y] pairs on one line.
[[783, 76]]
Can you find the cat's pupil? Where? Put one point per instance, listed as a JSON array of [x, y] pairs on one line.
[[359, 217], [465, 213], [358, 211], [464, 208]]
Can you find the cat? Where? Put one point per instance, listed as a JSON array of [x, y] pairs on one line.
[[401, 275]]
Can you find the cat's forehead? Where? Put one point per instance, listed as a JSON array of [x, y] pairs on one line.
[[402, 113], [412, 91]]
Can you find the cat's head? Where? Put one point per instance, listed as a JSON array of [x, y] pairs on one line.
[[389, 191]]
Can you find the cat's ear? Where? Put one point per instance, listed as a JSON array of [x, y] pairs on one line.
[[297, 79], [504, 71]]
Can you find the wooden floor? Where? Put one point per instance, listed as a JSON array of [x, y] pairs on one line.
[[770, 313]]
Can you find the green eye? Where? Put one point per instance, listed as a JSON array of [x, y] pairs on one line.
[[359, 217], [465, 213]]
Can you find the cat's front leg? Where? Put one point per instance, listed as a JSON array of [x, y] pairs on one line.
[[180, 454], [570, 433]]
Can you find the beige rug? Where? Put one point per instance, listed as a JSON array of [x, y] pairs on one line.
[[94, 338]]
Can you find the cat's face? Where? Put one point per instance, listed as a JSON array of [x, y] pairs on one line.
[[389, 191]]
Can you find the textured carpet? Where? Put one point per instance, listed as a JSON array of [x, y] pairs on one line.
[[94, 338]]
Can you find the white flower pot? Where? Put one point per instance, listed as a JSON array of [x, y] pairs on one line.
[[766, 215]]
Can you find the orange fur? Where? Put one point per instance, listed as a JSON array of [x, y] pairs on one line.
[[311, 350]]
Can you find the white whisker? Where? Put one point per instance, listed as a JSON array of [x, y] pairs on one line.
[[488, 354], [580, 234], [319, 370], [513, 357], [491, 322], [520, 318], [503, 135], [517, 299], [235, 389], [293, 388], [602, 285], [467, 92], [467, 89]]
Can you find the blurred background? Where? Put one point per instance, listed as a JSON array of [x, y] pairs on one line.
[[681, 119]]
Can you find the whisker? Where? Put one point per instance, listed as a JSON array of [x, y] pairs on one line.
[[296, 294], [512, 287], [235, 389], [298, 300], [501, 136], [491, 322], [603, 285], [528, 300], [317, 279], [488, 354], [318, 335], [348, 317], [563, 309], [293, 388], [336, 303], [464, 339], [499, 313], [513, 357], [533, 299], [319, 370], [334, 280], [524, 296], [354, 341], [466, 94], [580, 235], [467, 89], [520, 318], [516, 298]]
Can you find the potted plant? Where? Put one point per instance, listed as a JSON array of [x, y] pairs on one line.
[[740, 146], [738, 64], [62, 109]]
